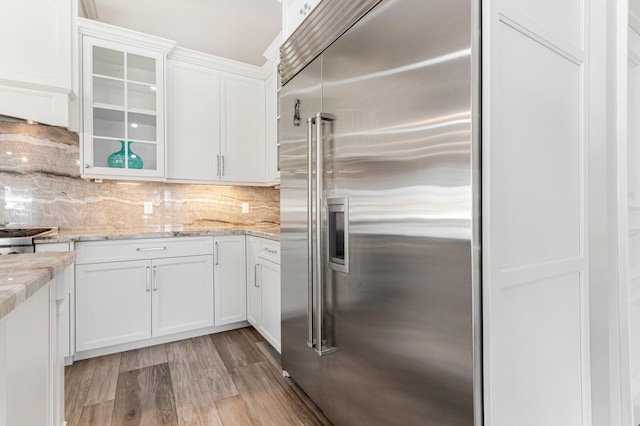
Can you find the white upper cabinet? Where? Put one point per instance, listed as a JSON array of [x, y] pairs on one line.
[[36, 77], [294, 12], [221, 115], [122, 103], [216, 115], [272, 87], [193, 125], [242, 129]]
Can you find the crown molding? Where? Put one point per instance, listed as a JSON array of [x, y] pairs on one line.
[[101, 30], [272, 54], [216, 62], [89, 9]]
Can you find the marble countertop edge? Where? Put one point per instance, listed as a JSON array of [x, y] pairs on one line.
[[67, 236], [22, 275]]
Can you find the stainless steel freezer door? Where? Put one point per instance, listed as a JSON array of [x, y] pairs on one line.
[[400, 86], [299, 99]]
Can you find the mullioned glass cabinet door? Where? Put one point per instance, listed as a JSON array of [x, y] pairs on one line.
[[123, 111]]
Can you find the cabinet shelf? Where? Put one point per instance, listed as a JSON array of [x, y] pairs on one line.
[[109, 107], [148, 112], [108, 77]]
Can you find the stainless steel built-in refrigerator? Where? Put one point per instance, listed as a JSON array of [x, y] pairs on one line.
[[379, 157]]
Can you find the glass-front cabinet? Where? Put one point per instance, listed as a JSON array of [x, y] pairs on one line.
[[123, 111]]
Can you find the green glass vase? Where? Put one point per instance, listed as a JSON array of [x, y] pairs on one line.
[[116, 160]]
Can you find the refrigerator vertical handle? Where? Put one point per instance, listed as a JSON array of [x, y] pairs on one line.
[[310, 342], [320, 349]]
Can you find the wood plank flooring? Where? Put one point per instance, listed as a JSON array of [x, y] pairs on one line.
[[230, 378]]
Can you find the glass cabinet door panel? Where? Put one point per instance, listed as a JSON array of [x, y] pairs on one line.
[[142, 127], [122, 110], [147, 152], [141, 69], [108, 62], [142, 97], [108, 123], [108, 92], [103, 149]]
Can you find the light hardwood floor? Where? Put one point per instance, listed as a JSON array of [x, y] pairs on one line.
[[230, 378]]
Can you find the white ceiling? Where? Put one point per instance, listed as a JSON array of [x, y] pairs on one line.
[[234, 29]]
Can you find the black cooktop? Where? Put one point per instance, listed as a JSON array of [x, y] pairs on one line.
[[21, 232]]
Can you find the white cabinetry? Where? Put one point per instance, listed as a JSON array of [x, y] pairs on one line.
[[182, 294], [113, 303], [193, 125], [253, 289], [216, 114], [272, 87], [166, 287], [36, 68], [294, 12], [31, 369], [67, 322], [26, 355], [230, 280], [122, 103], [242, 129], [263, 288]]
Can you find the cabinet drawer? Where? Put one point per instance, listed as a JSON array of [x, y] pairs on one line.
[[269, 250], [52, 247], [141, 249]]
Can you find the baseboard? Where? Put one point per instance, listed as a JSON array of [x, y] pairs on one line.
[[155, 341]]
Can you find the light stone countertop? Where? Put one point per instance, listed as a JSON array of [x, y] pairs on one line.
[[75, 235], [22, 275]]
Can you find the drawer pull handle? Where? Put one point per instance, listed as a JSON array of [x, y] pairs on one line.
[[255, 275], [155, 278], [268, 250], [148, 279], [151, 248]]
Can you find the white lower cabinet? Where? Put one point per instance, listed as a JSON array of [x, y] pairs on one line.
[[122, 301], [31, 365], [253, 289], [263, 288], [113, 303], [230, 278], [269, 282], [182, 294]]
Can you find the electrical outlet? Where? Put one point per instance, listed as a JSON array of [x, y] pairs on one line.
[[148, 207], [245, 208]]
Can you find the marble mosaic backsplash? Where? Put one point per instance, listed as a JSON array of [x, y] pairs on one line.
[[40, 184]]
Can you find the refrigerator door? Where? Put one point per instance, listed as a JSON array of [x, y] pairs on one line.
[[400, 151], [299, 99]]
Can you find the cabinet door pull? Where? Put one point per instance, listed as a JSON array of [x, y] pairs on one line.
[[217, 253], [155, 278], [255, 275], [272, 251], [148, 279], [150, 248]]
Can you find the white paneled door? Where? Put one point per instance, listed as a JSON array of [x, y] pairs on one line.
[[230, 279], [536, 317], [630, 216], [182, 294]]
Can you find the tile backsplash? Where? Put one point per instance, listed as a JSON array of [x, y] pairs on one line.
[[40, 184]]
